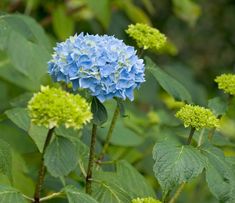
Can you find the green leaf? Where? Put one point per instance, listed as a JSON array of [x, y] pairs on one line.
[[10, 195], [99, 112], [121, 135], [63, 25], [217, 106], [175, 164], [132, 181], [108, 189], [30, 54], [168, 83], [38, 134], [76, 196], [61, 157], [5, 159], [101, 10], [135, 13], [187, 10], [19, 116], [220, 175]]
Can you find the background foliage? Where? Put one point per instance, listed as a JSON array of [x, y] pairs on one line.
[[201, 45]]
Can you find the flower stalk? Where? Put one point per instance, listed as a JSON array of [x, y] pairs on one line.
[[109, 134], [192, 130], [42, 170], [91, 160]]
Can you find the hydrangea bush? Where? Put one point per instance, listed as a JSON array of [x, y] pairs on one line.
[[83, 151]]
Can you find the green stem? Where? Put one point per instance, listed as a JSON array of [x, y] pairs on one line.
[[192, 130], [109, 134], [212, 131], [177, 193], [51, 196], [200, 137], [42, 170], [91, 160]]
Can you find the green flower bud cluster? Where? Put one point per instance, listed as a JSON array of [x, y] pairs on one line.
[[52, 107], [197, 117], [145, 200], [226, 82], [146, 36]]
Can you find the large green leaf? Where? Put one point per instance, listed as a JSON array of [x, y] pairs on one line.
[[5, 159], [30, 54], [132, 181], [220, 176], [10, 195], [61, 157], [76, 196], [168, 83], [176, 163]]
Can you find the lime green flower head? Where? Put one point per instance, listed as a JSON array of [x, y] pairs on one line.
[[197, 117], [52, 107], [226, 82], [145, 200], [146, 36]]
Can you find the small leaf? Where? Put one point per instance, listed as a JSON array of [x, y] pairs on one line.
[[122, 135], [217, 106], [76, 196], [61, 157], [63, 25], [38, 134], [108, 189], [101, 10], [19, 116], [121, 107], [99, 111], [132, 181], [175, 164], [187, 10], [10, 195], [135, 13], [220, 175], [168, 83], [5, 159]]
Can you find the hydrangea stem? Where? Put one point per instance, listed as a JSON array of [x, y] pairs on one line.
[[192, 130], [91, 160], [109, 134], [42, 170], [177, 193]]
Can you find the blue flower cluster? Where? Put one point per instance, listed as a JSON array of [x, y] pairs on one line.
[[102, 64]]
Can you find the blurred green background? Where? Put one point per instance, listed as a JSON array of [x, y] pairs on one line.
[[201, 45]]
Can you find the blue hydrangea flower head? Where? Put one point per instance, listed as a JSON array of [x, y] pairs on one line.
[[102, 64]]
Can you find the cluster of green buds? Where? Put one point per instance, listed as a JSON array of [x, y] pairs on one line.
[[145, 200], [146, 36], [226, 82], [52, 107], [197, 117]]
